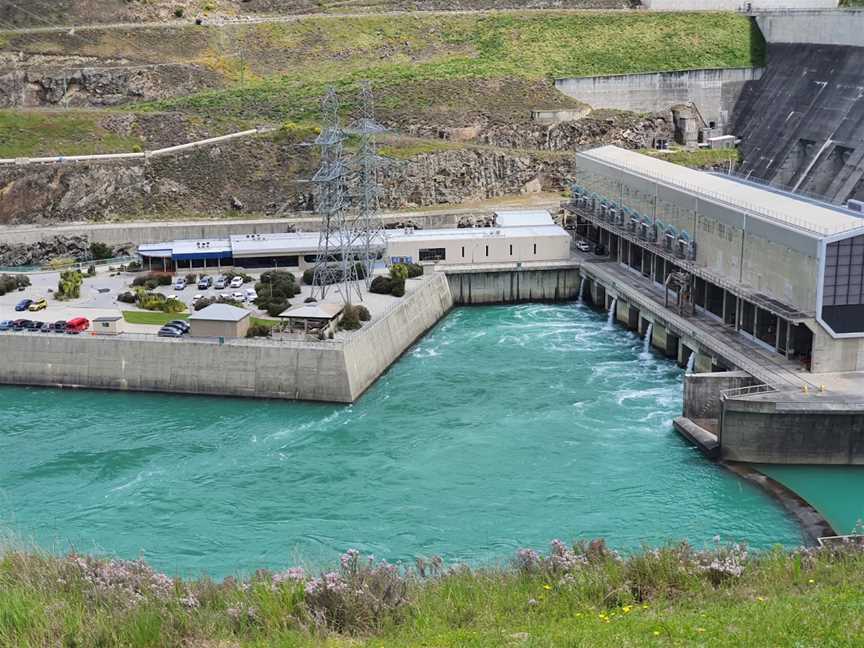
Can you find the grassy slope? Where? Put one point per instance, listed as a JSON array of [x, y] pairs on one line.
[[782, 599], [31, 134], [409, 58], [698, 159]]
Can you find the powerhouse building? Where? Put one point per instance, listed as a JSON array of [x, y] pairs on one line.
[[786, 271]]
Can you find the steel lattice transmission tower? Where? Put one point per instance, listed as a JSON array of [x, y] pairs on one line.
[[334, 265], [367, 225]]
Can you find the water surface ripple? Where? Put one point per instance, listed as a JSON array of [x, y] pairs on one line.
[[504, 427]]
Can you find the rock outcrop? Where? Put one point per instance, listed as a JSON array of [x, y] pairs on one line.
[[42, 251]]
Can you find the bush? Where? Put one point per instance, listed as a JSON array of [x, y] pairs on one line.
[[133, 266], [335, 274], [414, 270], [69, 286], [127, 298], [308, 276], [10, 283], [381, 285], [237, 273], [178, 12], [350, 319], [150, 300], [101, 250], [399, 272], [151, 284], [191, 278], [258, 330], [91, 270], [275, 309], [363, 313], [173, 306], [398, 289]]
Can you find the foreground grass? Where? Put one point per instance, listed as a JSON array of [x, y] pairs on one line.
[[669, 597]]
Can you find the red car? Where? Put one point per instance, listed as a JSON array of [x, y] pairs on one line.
[[77, 325]]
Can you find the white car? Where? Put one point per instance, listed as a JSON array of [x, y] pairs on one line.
[[179, 283], [583, 246], [251, 295], [238, 296], [171, 297], [236, 282], [197, 298]]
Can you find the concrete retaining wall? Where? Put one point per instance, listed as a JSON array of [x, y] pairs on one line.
[[370, 351], [838, 27], [702, 391], [337, 371], [714, 91], [513, 285], [266, 370], [791, 433]]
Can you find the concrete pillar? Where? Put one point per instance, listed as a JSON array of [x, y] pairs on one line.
[[622, 312], [702, 391]]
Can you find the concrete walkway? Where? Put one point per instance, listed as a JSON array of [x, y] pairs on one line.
[[770, 368]]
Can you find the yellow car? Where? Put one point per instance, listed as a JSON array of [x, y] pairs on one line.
[[38, 304]]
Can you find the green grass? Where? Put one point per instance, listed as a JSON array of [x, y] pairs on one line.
[[408, 58], [801, 598], [46, 133], [155, 318], [261, 321], [698, 159]]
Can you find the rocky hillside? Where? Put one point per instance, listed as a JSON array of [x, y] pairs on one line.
[[456, 90]]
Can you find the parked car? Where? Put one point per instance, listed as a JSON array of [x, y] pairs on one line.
[[197, 298], [5, 325], [238, 296], [77, 325], [47, 327], [40, 303], [23, 305], [237, 282], [60, 326], [171, 297], [583, 246], [220, 283], [251, 295], [33, 325], [20, 324], [204, 282], [179, 283], [170, 331], [181, 325]]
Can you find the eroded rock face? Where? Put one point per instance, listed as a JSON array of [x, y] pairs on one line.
[[42, 251], [38, 86]]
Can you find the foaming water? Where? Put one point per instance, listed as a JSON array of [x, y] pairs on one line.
[[504, 427]]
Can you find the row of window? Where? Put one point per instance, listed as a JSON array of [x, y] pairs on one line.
[[440, 254]]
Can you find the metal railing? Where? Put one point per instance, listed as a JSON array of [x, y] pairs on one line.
[[750, 390], [74, 265]]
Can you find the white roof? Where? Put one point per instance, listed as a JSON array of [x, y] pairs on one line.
[[523, 218], [465, 233], [761, 203], [263, 244], [220, 313], [314, 311], [194, 246]]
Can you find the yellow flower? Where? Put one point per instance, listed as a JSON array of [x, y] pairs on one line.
[[761, 599], [656, 633], [811, 581], [547, 587], [700, 629], [626, 609], [644, 606]]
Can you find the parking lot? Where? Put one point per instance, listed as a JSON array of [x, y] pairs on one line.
[[99, 298]]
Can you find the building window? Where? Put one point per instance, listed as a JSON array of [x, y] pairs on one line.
[[463, 251], [432, 254], [487, 250], [511, 250], [535, 248]]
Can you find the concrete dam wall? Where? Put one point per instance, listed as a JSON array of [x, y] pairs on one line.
[[714, 91], [802, 123], [814, 27]]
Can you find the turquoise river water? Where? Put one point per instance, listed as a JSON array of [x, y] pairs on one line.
[[505, 427]]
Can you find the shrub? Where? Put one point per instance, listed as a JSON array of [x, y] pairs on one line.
[[91, 270], [173, 306], [10, 283], [310, 300], [151, 284], [203, 303], [69, 286], [237, 273], [363, 313], [414, 270], [308, 276], [398, 289], [275, 309], [258, 330], [127, 298], [133, 266], [381, 285], [350, 319], [399, 272], [178, 12], [150, 300], [191, 278], [101, 250]]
